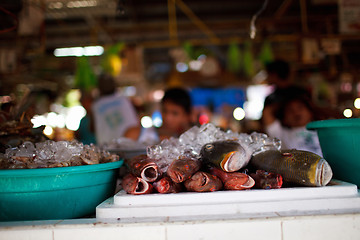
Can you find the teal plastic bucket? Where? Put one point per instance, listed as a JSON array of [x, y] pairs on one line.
[[340, 144], [55, 193]]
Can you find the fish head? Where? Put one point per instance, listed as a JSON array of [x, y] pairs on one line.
[[229, 155], [230, 162], [182, 169], [142, 187], [135, 185], [203, 182], [239, 181], [144, 167], [319, 169], [323, 173], [150, 172], [176, 174]]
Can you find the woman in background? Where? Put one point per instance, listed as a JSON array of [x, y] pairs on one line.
[[294, 114]]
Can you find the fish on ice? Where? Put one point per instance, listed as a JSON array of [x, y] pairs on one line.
[[144, 167], [229, 155], [295, 166], [183, 168], [233, 180], [135, 185], [203, 182], [166, 185]]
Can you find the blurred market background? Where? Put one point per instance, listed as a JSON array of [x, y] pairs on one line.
[[51, 50]]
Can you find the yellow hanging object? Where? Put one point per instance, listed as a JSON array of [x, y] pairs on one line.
[[111, 62], [115, 65]]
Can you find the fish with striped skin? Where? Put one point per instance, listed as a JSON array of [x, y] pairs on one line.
[[144, 167], [135, 185], [229, 155], [203, 182], [295, 166]]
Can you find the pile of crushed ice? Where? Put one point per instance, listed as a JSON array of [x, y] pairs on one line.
[[191, 142], [54, 154]]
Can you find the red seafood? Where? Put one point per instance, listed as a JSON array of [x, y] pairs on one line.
[[233, 180], [203, 182], [166, 185], [144, 167], [267, 180], [183, 168], [135, 185]]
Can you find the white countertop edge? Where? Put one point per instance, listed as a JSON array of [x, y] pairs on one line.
[[103, 223]]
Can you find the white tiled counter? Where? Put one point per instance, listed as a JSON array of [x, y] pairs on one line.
[[334, 226], [331, 212]]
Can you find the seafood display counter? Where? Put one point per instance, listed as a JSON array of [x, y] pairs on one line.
[[313, 206]]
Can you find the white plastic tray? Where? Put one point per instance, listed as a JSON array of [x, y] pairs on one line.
[[335, 189], [336, 197]]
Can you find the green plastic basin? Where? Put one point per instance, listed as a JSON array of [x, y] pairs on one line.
[[340, 144], [55, 193]]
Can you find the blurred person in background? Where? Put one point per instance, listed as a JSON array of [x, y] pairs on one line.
[[114, 115], [176, 111], [86, 131], [288, 109], [294, 114], [279, 76]]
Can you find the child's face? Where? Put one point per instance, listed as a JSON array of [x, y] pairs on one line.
[[297, 114], [175, 118]]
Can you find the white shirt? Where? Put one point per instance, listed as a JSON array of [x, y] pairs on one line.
[[113, 115], [295, 138]]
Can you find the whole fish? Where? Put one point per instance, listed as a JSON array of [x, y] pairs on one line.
[[144, 167], [166, 185], [267, 180], [183, 168], [233, 180], [295, 166], [135, 185], [203, 182], [229, 155]]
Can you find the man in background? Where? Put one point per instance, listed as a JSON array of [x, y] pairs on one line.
[[114, 115]]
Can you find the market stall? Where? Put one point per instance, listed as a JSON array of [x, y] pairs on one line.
[[90, 147]]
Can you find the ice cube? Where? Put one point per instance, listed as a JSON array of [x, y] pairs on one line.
[[191, 142]]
